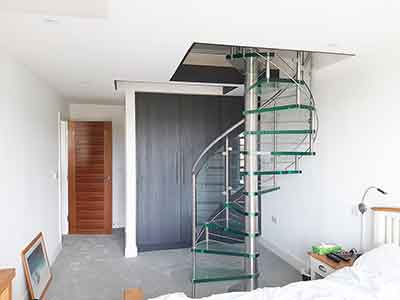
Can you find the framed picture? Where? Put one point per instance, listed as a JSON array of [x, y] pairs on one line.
[[36, 267]]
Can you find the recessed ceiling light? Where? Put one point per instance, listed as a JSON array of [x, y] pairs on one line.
[[84, 83], [51, 20], [332, 45]]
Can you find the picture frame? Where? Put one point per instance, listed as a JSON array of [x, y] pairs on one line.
[[36, 267]]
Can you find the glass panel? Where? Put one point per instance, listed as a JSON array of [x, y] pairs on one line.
[[210, 183]]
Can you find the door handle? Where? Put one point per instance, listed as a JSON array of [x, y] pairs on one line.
[[183, 168], [176, 168]]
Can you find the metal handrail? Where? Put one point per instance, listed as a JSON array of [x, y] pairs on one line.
[[196, 165], [216, 216]]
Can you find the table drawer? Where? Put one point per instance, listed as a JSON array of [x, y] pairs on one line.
[[321, 268]]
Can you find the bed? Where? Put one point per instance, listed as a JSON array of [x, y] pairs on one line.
[[375, 275]]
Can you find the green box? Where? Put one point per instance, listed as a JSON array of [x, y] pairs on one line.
[[326, 249]]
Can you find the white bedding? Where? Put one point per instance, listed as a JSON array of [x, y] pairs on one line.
[[376, 275]]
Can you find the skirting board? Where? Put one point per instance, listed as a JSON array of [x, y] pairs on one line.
[[54, 255], [291, 259]]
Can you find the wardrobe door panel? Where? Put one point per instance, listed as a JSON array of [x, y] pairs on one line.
[[158, 192], [200, 119], [231, 111]]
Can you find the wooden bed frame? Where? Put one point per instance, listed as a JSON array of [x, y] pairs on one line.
[[386, 225]]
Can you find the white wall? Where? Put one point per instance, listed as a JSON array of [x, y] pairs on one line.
[[130, 174], [29, 161], [115, 114], [358, 104]]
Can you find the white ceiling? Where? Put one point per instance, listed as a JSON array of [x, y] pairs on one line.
[[81, 52], [76, 8]]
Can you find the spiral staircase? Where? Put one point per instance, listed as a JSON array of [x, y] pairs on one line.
[[237, 172]]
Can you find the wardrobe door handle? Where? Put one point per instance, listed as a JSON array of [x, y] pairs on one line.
[[176, 168], [183, 168]]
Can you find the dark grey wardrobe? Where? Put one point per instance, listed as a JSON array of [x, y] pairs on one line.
[[172, 131]]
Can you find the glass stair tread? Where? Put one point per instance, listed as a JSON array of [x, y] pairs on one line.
[[278, 172], [292, 131], [220, 248], [264, 191], [280, 153], [203, 274], [275, 82], [234, 227], [291, 153], [278, 108], [249, 54], [239, 209]]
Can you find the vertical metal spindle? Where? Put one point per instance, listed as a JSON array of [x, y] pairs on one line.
[[298, 76], [207, 236], [275, 146], [194, 287], [311, 128], [268, 67], [251, 167], [259, 165], [227, 181], [193, 234], [194, 211], [311, 112]]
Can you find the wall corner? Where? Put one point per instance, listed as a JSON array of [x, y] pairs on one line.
[[130, 178]]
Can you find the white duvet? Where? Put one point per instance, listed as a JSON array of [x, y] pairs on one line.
[[376, 275]]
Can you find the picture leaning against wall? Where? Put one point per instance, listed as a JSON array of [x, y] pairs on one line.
[[36, 267]]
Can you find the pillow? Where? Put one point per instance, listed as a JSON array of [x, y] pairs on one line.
[[381, 264]]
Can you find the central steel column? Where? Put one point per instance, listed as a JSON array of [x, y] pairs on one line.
[[251, 167]]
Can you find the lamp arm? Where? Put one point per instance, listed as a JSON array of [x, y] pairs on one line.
[[361, 206], [363, 209], [366, 192]]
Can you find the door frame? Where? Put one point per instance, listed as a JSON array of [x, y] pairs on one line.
[[63, 176]]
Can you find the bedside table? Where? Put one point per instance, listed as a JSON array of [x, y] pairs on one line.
[[321, 266], [6, 277]]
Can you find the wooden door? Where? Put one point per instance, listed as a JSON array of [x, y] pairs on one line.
[[90, 178]]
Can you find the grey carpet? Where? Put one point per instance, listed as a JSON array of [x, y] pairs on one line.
[[94, 268]]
